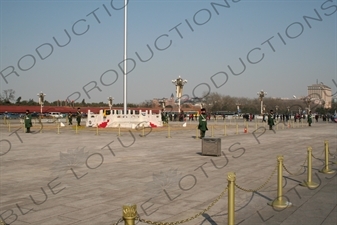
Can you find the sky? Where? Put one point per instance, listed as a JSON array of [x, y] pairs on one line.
[[75, 49]]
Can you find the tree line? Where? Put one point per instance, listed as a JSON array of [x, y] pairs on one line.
[[213, 102]]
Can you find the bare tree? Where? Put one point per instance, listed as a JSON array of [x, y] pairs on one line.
[[8, 95]]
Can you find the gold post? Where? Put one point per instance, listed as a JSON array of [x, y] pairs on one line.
[[2, 222], [76, 129], [326, 167], [280, 202], [231, 198], [97, 129], [168, 131], [212, 132], [309, 183], [58, 127], [225, 130], [119, 130], [129, 214], [196, 133], [143, 131], [9, 127]]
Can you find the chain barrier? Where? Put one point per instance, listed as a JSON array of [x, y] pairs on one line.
[[317, 157], [260, 187], [331, 153], [298, 172], [188, 219], [118, 221]]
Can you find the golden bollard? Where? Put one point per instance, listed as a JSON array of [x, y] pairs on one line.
[[280, 202], [212, 132], [309, 183], [129, 214], [225, 131], [97, 129], [168, 131], [119, 130], [326, 169], [76, 129], [231, 198], [196, 133], [58, 128]]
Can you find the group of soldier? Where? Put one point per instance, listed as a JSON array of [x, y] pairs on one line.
[[28, 119]]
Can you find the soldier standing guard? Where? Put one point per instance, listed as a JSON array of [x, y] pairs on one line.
[[271, 120], [28, 121], [309, 118], [78, 116], [202, 123], [70, 118]]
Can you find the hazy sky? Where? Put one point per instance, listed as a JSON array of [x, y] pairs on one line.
[[231, 47]]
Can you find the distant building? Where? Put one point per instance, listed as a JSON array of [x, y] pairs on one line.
[[321, 93]]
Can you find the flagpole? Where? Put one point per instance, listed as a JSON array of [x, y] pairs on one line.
[[125, 52]]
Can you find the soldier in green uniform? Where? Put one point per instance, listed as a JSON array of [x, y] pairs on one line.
[[78, 116], [28, 121], [309, 119], [202, 123], [271, 119], [70, 118]]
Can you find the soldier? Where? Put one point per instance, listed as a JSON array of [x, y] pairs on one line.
[[202, 123], [28, 121], [78, 116], [70, 118], [271, 119], [309, 119]]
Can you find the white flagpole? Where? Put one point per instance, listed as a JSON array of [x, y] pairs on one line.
[[125, 52]]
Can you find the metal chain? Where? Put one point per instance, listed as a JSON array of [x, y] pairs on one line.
[[260, 187], [297, 173], [331, 153], [188, 219], [316, 157], [118, 221]]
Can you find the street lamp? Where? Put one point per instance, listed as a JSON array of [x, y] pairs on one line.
[[307, 101], [179, 83], [264, 109], [276, 107], [261, 95], [41, 100], [238, 107], [162, 103], [110, 99]]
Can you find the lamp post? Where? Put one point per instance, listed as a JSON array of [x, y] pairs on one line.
[[238, 107], [307, 101], [162, 103], [261, 95], [41, 101], [264, 109], [110, 99], [179, 83]]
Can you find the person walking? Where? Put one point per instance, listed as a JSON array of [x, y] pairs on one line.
[[202, 123], [271, 120], [28, 121], [309, 119], [70, 118], [78, 116]]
